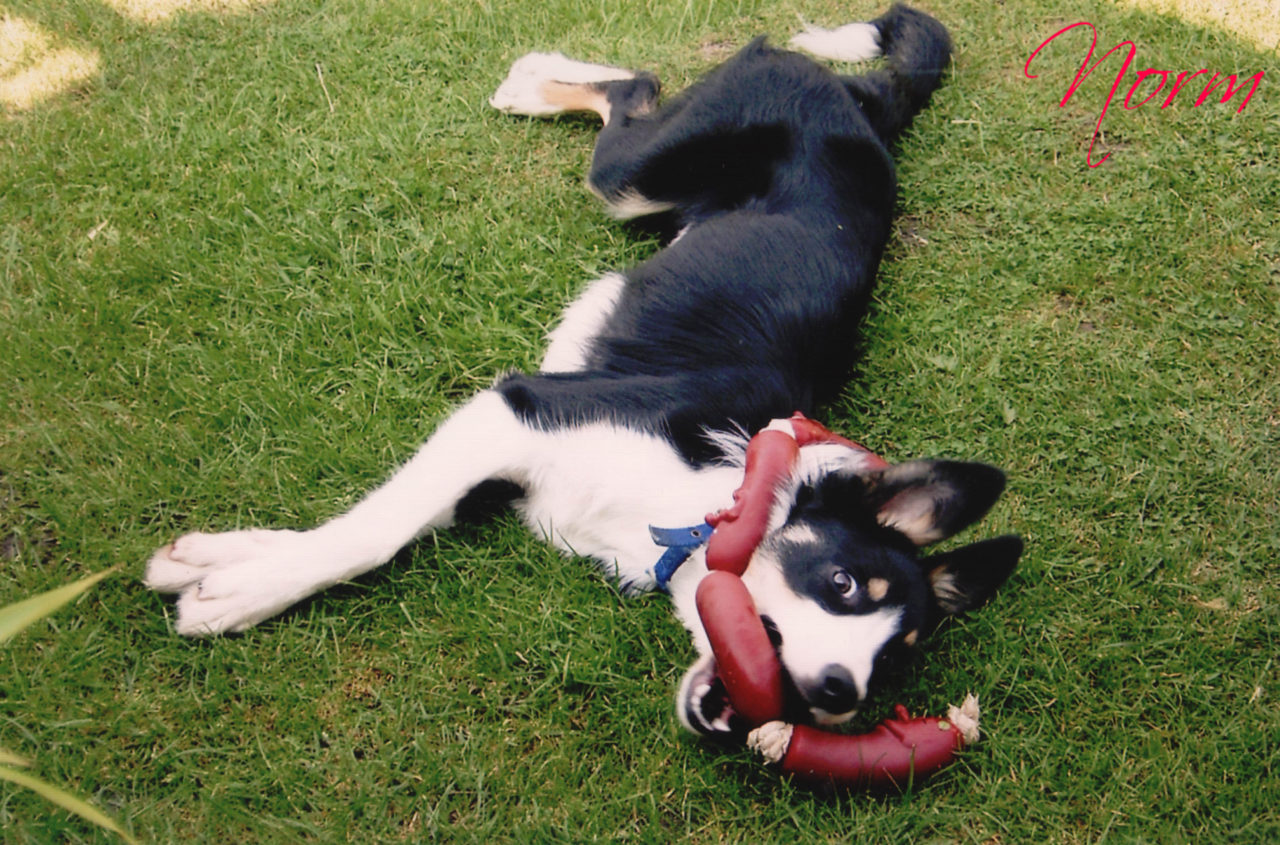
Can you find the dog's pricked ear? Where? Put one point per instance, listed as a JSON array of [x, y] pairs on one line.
[[929, 501], [967, 577]]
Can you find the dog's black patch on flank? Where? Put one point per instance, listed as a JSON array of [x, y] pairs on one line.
[[487, 499]]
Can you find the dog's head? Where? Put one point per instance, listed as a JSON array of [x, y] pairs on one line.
[[841, 580]]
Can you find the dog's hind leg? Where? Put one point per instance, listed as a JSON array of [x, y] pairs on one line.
[[855, 42], [548, 84], [624, 147], [231, 581], [916, 50]]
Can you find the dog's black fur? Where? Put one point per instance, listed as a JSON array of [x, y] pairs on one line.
[[781, 171]]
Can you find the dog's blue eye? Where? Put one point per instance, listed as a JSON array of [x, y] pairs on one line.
[[843, 582]]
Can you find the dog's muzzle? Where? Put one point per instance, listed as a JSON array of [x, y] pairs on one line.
[[703, 706]]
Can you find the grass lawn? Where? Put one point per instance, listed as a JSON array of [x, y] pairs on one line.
[[250, 259]]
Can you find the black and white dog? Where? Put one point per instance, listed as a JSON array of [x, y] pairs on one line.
[[777, 174]]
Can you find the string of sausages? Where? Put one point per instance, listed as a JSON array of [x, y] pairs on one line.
[[894, 754]]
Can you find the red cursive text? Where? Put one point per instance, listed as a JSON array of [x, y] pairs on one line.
[[1229, 86]]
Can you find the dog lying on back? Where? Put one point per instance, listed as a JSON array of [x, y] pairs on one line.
[[777, 175]]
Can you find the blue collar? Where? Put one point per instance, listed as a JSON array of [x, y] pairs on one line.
[[680, 543]]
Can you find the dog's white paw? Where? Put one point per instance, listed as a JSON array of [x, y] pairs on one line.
[[521, 91], [236, 598], [185, 561], [855, 42], [232, 581]]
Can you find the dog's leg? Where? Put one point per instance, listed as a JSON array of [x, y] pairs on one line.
[[546, 84], [569, 347], [231, 581], [624, 147], [916, 50], [855, 42]]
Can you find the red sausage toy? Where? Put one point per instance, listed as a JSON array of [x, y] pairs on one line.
[[744, 656], [771, 455], [891, 756]]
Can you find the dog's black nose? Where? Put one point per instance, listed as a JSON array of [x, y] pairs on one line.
[[837, 692]]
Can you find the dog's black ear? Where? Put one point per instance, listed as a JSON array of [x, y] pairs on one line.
[[929, 501], [965, 578]]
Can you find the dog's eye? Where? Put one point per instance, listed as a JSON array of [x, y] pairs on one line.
[[843, 582]]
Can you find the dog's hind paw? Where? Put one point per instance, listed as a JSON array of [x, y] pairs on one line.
[[522, 92], [855, 42]]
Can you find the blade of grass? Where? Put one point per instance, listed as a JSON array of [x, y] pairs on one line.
[[13, 619], [8, 758], [17, 616], [65, 800]]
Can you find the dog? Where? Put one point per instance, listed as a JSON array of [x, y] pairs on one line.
[[776, 173]]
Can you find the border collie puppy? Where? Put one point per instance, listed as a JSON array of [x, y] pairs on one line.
[[777, 174]]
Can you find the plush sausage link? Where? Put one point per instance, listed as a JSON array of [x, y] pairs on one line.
[[897, 752], [745, 660], [771, 454], [809, 432], [893, 754]]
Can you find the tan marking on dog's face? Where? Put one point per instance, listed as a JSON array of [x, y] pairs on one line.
[[877, 589]]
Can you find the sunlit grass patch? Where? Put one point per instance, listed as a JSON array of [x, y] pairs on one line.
[[154, 11], [35, 66], [1256, 21]]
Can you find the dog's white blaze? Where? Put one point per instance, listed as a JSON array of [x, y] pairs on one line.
[[820, 459], [855, 42], [799, 534], [812, 638], [581, 322]]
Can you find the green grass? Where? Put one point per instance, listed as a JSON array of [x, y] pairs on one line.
[[281, 298]]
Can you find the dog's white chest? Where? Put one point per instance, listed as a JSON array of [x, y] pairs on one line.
[[595, 490]]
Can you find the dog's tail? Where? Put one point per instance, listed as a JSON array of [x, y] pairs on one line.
[[916, 50]]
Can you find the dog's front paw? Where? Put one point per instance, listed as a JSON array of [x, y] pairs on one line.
[[522, 91], [184, 562], [232, 581]]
